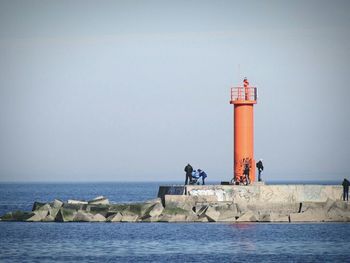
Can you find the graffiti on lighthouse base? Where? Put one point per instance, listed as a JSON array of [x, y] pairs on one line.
[[242, 164]]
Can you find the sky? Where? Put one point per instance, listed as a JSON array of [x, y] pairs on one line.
[[135, 90]]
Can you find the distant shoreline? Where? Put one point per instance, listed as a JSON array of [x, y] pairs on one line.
[[272, 182]]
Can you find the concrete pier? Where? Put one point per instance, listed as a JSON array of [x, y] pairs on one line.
[[259, 202], [257, 192]]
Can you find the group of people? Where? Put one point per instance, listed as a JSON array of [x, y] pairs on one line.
[[193, 176]]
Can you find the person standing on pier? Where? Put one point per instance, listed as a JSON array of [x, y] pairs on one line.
[[203, 175], [188, 169], [260, 167], [246, 171], [346, 184]]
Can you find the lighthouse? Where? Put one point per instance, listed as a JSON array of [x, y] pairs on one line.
[[243, 99]]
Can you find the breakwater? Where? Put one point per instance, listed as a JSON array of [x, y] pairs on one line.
[[209, 203]]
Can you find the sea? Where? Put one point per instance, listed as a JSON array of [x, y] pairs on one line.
[[155, 242]]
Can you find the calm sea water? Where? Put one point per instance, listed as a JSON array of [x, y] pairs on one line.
[[156, 242]]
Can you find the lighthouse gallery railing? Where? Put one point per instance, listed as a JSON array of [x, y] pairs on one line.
[[242, 93]]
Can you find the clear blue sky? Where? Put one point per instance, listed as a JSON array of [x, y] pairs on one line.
[[133, 90]]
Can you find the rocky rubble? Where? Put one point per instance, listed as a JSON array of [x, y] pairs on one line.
[[183, 208]]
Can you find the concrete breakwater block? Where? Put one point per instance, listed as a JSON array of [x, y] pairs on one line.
[[79, 212], [170, 190]]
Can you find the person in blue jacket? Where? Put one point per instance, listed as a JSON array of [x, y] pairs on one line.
[[203, 175]]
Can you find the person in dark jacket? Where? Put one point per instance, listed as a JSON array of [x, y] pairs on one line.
[[246, 171], [260, 167], [346, 184], [188, 169]]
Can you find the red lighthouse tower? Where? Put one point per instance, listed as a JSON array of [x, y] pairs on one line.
[[243, 100]]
